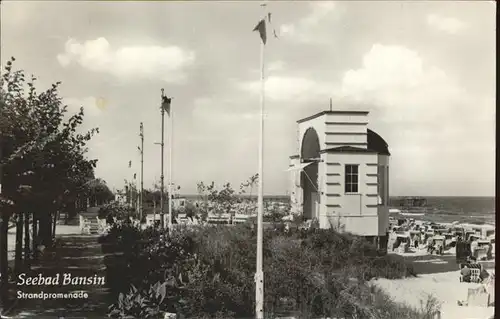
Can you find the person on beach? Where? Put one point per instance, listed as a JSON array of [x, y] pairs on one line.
[[466, 273], [489, 254], [473, 246]]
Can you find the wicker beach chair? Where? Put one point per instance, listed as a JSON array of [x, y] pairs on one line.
[[475, 275], [475, 272]]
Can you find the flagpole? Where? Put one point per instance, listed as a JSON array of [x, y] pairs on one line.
[[141, 207], [170, 148], [162, 214], [259, 274], [136, 196]]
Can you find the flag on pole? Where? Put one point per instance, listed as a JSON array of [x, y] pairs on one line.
[[261, 28], [166, 101]]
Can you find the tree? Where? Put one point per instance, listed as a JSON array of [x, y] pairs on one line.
[[43, 163], [250, 183], [98, 192]]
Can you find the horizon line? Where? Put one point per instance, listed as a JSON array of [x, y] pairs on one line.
[[391, 196]]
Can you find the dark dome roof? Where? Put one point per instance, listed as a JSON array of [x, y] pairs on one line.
[[377, 143]]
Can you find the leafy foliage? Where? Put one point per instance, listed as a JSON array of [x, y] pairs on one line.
[[98, 192], [218, 201], [43, 163], [139, 304], [43, 152], [116, 210], [209, 271]]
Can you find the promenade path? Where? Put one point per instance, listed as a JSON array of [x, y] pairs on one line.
[[74, 255]]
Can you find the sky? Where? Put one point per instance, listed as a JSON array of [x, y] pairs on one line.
[[424, 70]]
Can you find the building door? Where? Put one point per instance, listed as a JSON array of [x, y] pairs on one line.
[[309, 185], [309, 152]]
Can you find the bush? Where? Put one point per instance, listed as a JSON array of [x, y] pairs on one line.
[[139, 304], [209, 272], [116, 210]]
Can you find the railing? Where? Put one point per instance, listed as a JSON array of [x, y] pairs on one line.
[[88, 225]]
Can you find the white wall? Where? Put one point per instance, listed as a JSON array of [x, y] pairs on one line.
[[336, 123], [354, 118], [346, 130], [357, 213], [352, 208], [346, 139]]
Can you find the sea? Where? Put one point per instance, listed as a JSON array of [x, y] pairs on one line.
[[444, 209], [473, 210]]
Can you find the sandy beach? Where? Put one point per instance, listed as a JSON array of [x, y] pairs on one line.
[[438, 276]]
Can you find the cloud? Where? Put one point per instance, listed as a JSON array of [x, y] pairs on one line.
[[446, 24], [303, 30], [127, 62], [396, 79], [431, 123]]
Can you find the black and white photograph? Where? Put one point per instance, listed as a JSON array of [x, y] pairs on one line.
[[247, 159]]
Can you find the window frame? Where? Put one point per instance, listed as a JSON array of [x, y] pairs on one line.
[[347, 175]]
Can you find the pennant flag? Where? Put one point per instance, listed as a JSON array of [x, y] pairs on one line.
[[261, 28], [129, 164], [166, 104]]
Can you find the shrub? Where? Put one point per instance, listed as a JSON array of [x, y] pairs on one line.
[[116, 210], [210, 271], [139, 304]]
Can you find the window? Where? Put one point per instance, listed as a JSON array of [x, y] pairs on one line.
[[351, 178]]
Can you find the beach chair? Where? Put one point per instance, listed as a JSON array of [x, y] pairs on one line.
[[475, 272], [439, 244], [481, 253], [475, 275], [403, 248], [478, 297]]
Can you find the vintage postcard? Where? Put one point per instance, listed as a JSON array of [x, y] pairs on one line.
[[246, 159]]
